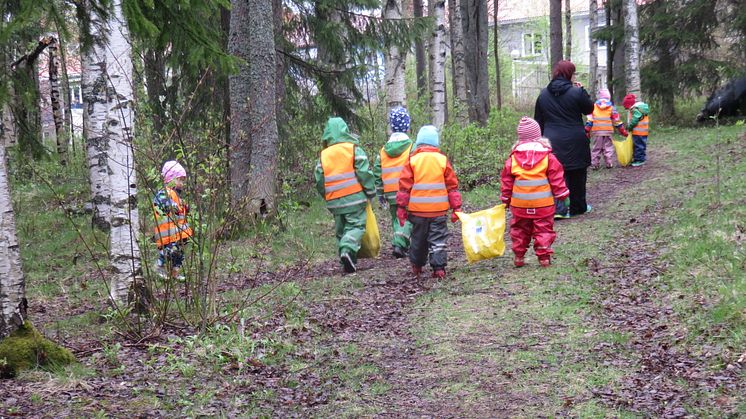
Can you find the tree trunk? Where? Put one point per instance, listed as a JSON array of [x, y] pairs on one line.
[[438, 64], [395, 60], [496, 32], [262, 113], [154, 66], [619, 46], [240, 139], [54, 96], [476, 35], [631, 48], [458, 62], [13, 303], [419, 54], [25, 106], [69, 129], [609, 52], [568, 30], [280, 64], [124, 252], [593, 45], [555, 32]]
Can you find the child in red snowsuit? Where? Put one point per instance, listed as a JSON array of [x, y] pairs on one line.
[[531, 180]]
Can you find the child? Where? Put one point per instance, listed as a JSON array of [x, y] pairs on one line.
[[387, 170], [531, 181], [428, 187], [601, 124], [638, 122], [344, 179], [172, 230]]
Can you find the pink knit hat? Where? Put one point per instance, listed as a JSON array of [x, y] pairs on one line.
[[604, 94], [171, 170], [528, 130]]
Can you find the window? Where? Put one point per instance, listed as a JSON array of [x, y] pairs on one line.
[[532, 44], [599, 42], [76, 95]]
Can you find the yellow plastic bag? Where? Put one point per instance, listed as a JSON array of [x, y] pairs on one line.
[[371, 242], [624, 150], [483, 232]]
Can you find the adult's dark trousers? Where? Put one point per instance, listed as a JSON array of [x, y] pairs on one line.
[[428, 238], [575, 181]]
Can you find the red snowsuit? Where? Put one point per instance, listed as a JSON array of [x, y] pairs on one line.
[[531, 180]]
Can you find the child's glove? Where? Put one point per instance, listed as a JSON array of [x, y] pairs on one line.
[[588, 132], [401, 214], [623, 131], [454, 216]]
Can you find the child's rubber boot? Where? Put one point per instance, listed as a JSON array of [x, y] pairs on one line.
[[518, 261], [416, 270], [347, 263], [439, 273], [545, 261], [398, 252]]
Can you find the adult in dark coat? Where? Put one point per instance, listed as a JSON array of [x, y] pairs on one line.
[[559, 111]]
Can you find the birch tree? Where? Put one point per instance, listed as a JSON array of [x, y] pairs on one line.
[[438, 64], [13, 303], [631, 48], [458, 62], [593, 46], [262, 112], [476, 40], [496, 51], [395, 60], [54, 95], [555, 32], [568, 30]]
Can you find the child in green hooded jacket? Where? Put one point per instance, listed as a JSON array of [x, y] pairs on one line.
[[344, 179]]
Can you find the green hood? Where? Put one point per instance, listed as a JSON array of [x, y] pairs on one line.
[[336, 131], [398, 144], [642, 107]]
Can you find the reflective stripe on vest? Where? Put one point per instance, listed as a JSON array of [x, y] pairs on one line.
[[531, 188], [391, 168], [642, 127], [171, 227], [429, 192], [602, 119], [338, 163]]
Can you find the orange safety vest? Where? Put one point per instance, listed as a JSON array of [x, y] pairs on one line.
[[391, 168], [602, 119], [641, 128], [429, 193], [338, 163], [531, 188], [172, 227]]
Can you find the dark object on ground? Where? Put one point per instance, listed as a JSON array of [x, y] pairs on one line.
[[728, 101]]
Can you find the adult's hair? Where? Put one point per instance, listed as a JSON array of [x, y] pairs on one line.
[[564, 69]]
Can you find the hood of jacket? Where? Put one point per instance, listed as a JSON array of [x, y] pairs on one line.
[[529, 153], [642, 107], [397, 144], [604, 103], [559, 86], [337, 131]]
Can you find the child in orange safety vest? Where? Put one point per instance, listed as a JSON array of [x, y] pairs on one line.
[[532, 179], [428, 188], [600, 127], [638, 123], [172, 230]]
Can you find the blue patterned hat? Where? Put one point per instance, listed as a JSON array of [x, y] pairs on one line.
[[399, 119]]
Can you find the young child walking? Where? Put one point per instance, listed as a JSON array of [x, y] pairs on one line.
[[532, 179], [638, 123], [387, 170], [428, 188], [172, 230], [344, 179], [600, 125]]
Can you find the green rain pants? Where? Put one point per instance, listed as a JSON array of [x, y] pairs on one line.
[[401, 234], [349, 229]]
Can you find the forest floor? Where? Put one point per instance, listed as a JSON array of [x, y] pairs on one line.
[[642, 313]]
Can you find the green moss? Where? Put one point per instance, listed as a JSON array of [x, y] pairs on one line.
[[27, 348]]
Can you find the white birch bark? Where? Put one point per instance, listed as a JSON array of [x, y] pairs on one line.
[[395, 61], [54, 96], [12, 284], [458, 62], [438, 64], [124, 252], [593, 46], [7, 135], [631, 47]]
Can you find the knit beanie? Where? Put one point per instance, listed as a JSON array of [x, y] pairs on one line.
[[604, 94], [629, 100], [428, 135], [399, 119], [528, 130], [171, 170]]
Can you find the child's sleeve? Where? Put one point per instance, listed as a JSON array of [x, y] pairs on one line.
[[636, 117], [318, 174], [616, 120], [405, 186], [377, 173], [163, 204], [556, 176], [506, 182], [454, 196], [363, 173]]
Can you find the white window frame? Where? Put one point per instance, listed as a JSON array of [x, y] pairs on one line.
[[531, 38]]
